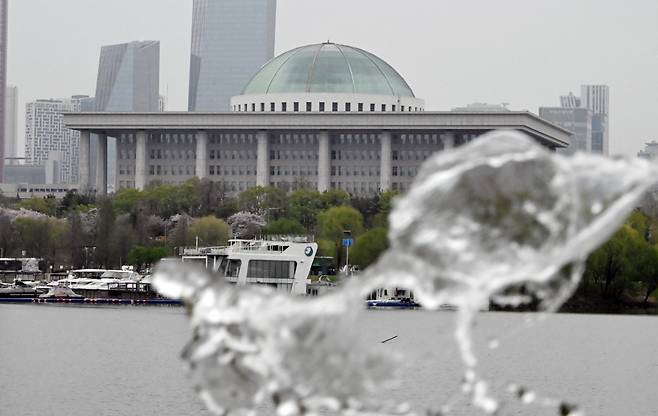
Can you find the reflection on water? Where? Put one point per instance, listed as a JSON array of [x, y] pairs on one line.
[[485, 220]]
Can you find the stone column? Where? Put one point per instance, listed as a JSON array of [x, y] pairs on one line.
[[263, 159], [202, 154], [386, 162], [83, 171], [101, 166], [449, 140], [324, 161], [140, 159]]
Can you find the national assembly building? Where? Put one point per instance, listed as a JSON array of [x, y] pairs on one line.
[[319, 116]]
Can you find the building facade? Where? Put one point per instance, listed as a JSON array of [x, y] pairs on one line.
[[231, 40], [12, 145], [575, 119], [596, 98], [3, 81], [128, 80], [321, 116], [592, 105], [49, 143], [361, 153]]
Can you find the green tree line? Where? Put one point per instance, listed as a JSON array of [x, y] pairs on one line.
[[140, 227]]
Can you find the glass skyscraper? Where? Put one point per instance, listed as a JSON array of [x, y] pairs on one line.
[[231, 40], [129, 77], [128, 80]]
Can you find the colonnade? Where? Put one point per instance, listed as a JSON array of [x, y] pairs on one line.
[[201, 162]]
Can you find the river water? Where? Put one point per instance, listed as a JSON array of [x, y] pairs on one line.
[[75, 361]]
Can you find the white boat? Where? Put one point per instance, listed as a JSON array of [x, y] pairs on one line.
[[283, 264], [97, 279]]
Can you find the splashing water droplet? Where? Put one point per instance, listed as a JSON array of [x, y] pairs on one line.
[[479, 222]]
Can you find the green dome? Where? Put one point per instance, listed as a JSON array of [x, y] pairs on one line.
[[328, 68]]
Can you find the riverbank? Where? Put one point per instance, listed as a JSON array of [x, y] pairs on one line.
[[591, 305]]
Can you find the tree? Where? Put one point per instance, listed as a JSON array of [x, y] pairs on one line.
[[333, 223], [72, 201], [211, 231], [369, 246], [266, 201], [284, 226], [304, 206], [334, 198], [368, 207], [246, 225], [32, 236], [76, 239], [7, 242], [327, 248], [180, 236], [144, 257], [385, 204], [57, 230], [646, 269], [104, 234], [127, 200], [47, 206], [609, 265]]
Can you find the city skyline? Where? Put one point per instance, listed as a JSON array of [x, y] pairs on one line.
[[466, 79]]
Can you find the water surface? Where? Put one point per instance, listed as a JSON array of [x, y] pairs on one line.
[[59, 360]]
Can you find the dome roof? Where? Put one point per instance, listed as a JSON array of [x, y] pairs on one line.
[[328, 68]]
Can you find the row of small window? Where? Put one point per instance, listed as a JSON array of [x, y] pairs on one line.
[[173, 170], [322, 107], [410, 154], [292, 155], [126, 170], [410, 171], [232, 170], [160, 138], [171, 154], [294, 171], [355, 155], [233, 154], [353, 171]]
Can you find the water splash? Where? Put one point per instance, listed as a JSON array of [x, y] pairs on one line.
[[500, 219]]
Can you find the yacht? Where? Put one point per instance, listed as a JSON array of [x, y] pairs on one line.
[[283, 263], [97, 279]]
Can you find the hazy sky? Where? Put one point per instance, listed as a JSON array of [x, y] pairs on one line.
[[523, 52]]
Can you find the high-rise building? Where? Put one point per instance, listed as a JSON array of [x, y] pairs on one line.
[[128, 80], [591, 108], [231, 40], [577, 120], [597, 99], [11, 126], [129, 77], [3, 81], [569, 101], [49, 143]]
